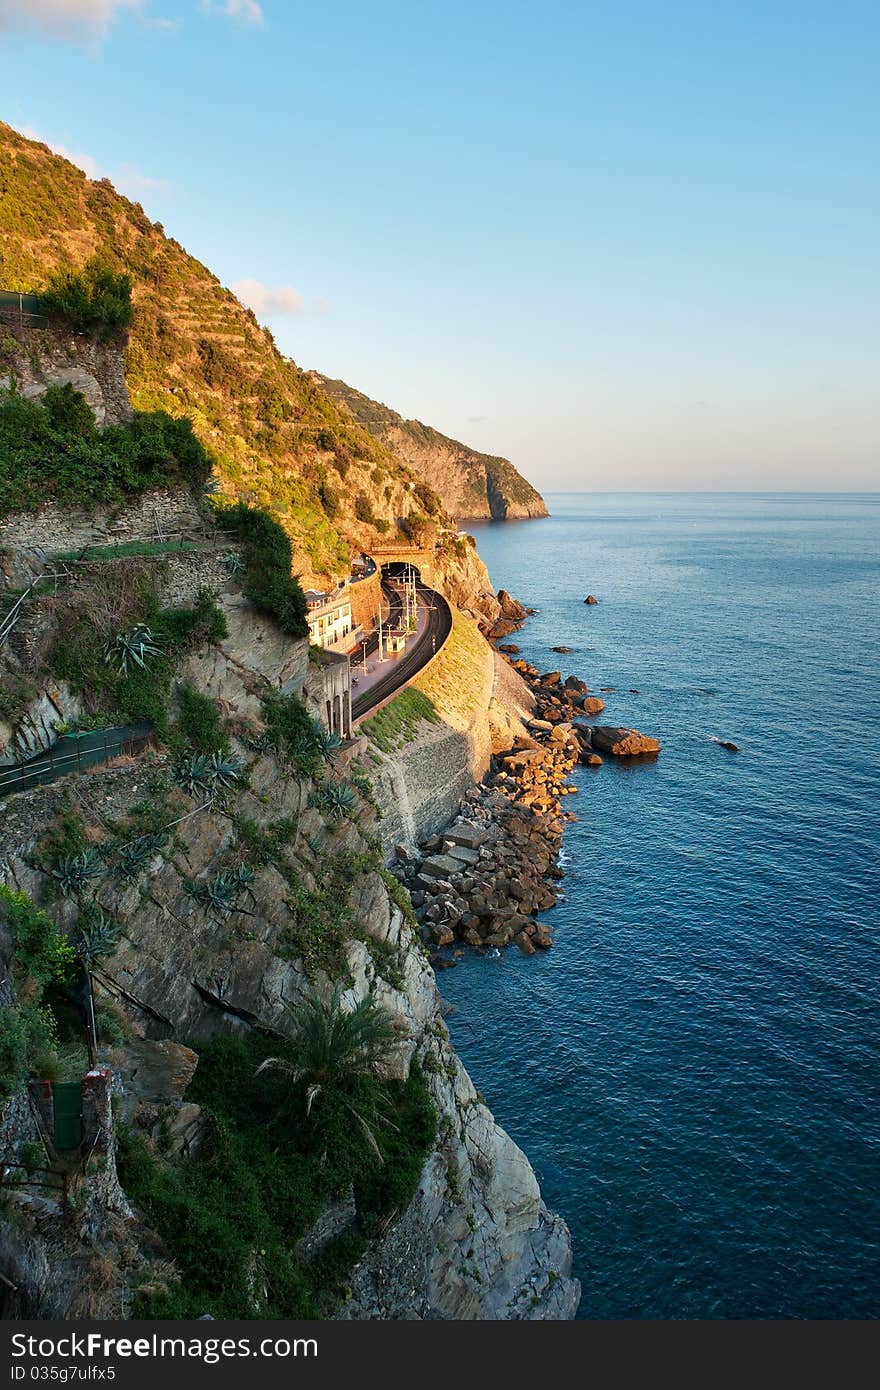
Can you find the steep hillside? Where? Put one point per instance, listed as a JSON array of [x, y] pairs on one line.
[[470, 484], [278, 438]]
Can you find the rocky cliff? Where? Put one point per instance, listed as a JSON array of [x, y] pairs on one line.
[[278, 437], [475, 1241], [469, 484]]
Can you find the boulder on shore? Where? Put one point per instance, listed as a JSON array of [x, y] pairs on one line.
[[591, 704], [623, 743], [510, 606]]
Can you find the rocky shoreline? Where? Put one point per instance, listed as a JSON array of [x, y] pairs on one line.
[[483, 880]]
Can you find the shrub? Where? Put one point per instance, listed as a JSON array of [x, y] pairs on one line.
[[25, 1031], [69, 412], [263, 1177], [94, 299], [40, 957], [268, 581], [125, 688], [294, 732], [428, 498], [50, 451], [200, 725], [40, 952], [363, 509]]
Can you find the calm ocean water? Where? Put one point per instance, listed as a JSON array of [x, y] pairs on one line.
[[693, 1067]]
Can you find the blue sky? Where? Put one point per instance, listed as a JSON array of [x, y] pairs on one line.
[[629, 245]]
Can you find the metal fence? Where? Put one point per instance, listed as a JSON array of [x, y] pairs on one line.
[[21, 310], [76, 753]]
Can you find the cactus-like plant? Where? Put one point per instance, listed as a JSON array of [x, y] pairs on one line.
[[224, 770], [73, 871], [259, 743], [337, 799], [98, 937], [207, 773], [136, 647], [137, 854], [221, 892], [328, 745]]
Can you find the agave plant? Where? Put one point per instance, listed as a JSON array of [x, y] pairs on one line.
[[224, 770], [73, 871], [337, 799], [135, 857], [259, 743], [332, 1047], [302, 747], [328, 745], [137, 647], [206, 773], [98, 937], [244, 875], [232, 562], [220, 893]]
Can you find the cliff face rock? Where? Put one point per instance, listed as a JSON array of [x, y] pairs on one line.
[[469, 484], [33, 359], [476, 1240]]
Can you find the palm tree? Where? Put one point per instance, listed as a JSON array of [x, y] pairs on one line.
[[332, 1046]]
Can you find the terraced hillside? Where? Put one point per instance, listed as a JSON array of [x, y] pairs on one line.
[[470, 484], [279, 439]]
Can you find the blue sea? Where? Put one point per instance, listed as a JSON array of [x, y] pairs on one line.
[[693, 1067]]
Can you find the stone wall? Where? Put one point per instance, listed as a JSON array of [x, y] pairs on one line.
[[170, 514], [420, 784], [366, 596], [44, 357]]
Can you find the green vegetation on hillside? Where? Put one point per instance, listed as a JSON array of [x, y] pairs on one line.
[[40, 957], [87, 651], [231, 1218], [400, 721], [268, 582], [194, 350], [53, 451], [91, 300], [475, 484]]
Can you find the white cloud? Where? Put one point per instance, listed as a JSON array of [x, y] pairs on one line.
[[70, 19], [133, 183], [268, 300], [128, 179], [245, 11]]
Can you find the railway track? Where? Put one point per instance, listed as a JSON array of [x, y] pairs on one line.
[[438, 629]]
